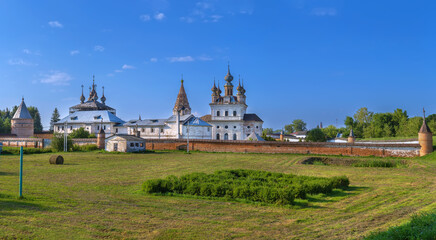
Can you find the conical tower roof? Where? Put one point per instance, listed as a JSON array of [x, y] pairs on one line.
[[182, 100], [22, 112], [424, 127]]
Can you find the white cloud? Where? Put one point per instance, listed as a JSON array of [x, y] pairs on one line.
[[205, 58], [159, 16], [181, 59], [215, 18], [55, 24], [321, 12], [118, 71], [187, 19], [125, 66], [110, 74], [98, 48], [56, 78], [145, 17], [20, 62], [29, 52], [153, 59], [204, 5], [74, 52]]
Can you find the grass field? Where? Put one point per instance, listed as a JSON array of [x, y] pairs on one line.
[[98, 195]]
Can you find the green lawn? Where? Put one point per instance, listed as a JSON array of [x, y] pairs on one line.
[[98, 195]]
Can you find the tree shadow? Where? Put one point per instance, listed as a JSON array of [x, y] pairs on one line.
[[8, 174], [9, 204]]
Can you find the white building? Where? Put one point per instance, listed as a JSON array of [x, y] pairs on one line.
[[179, 126], [228, 113], [92, 115]]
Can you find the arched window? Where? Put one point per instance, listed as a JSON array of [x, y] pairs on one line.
[[217, 136], [226, 127], [218, 113], [226, 136], [234, 136], [234, 113], [227, 113]]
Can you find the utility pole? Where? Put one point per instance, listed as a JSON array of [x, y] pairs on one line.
[[65, 137], [187, 130]]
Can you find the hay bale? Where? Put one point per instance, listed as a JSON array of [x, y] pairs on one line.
[[56, 159]]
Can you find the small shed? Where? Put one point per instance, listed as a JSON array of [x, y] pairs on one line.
[[125, 143]]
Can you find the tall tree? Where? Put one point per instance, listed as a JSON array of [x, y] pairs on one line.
[[34, 112], [289, 128], [299, 125], [55, 117]]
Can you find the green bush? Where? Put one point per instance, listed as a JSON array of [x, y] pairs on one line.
[[257, 186], [16, 150], [377, 163], [422, 227], [57, 142], [316, 135], [84, 148]]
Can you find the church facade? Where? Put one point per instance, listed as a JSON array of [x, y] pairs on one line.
[[181, 125], [90, 114], [228, 115]]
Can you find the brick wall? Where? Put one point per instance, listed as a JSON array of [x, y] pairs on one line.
[[357, 149], [23, 142]]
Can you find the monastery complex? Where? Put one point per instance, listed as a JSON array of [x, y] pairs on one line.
[[227, 120]]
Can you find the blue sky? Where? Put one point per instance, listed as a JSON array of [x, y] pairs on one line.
[[314, 60]]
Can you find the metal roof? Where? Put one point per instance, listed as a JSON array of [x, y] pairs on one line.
[[22, 112], [252, 117], [254, 137], [127, 137], [146, 122], [195, 121], [91, 117]]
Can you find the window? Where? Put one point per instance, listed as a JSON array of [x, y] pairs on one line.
[[234, 126], [152, 130], [226, 136], [234, 136], [234, 113], [104, 127], [218, 113], [98, 127], [136, 144], [217, 126], [142, 129], [226, 127], [141, 145], [257, 126], [248, 127], [208, 129], [116, 130], [132, 145], [227, 113], [62, 128], [217, 136], [248, 135], [71, 128], [161, 130]]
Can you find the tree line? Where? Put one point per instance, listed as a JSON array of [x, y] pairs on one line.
[[6, 115], [365, 124]]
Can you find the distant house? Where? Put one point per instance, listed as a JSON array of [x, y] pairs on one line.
[[125, 143]]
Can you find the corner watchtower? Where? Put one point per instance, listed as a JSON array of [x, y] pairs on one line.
[[22, 122], [425, 138]]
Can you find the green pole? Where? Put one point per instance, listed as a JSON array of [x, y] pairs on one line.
[[21, 172]]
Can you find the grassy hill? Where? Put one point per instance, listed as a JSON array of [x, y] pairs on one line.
[[98, 195]]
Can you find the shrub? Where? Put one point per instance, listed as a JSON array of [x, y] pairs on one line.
[[420, 227], [57, 142], [16, 150], [316, 135], [84, 148], [79, 133], [377, 163], [257, 186]]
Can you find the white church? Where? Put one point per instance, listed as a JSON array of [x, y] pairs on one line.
[[228, 119]]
